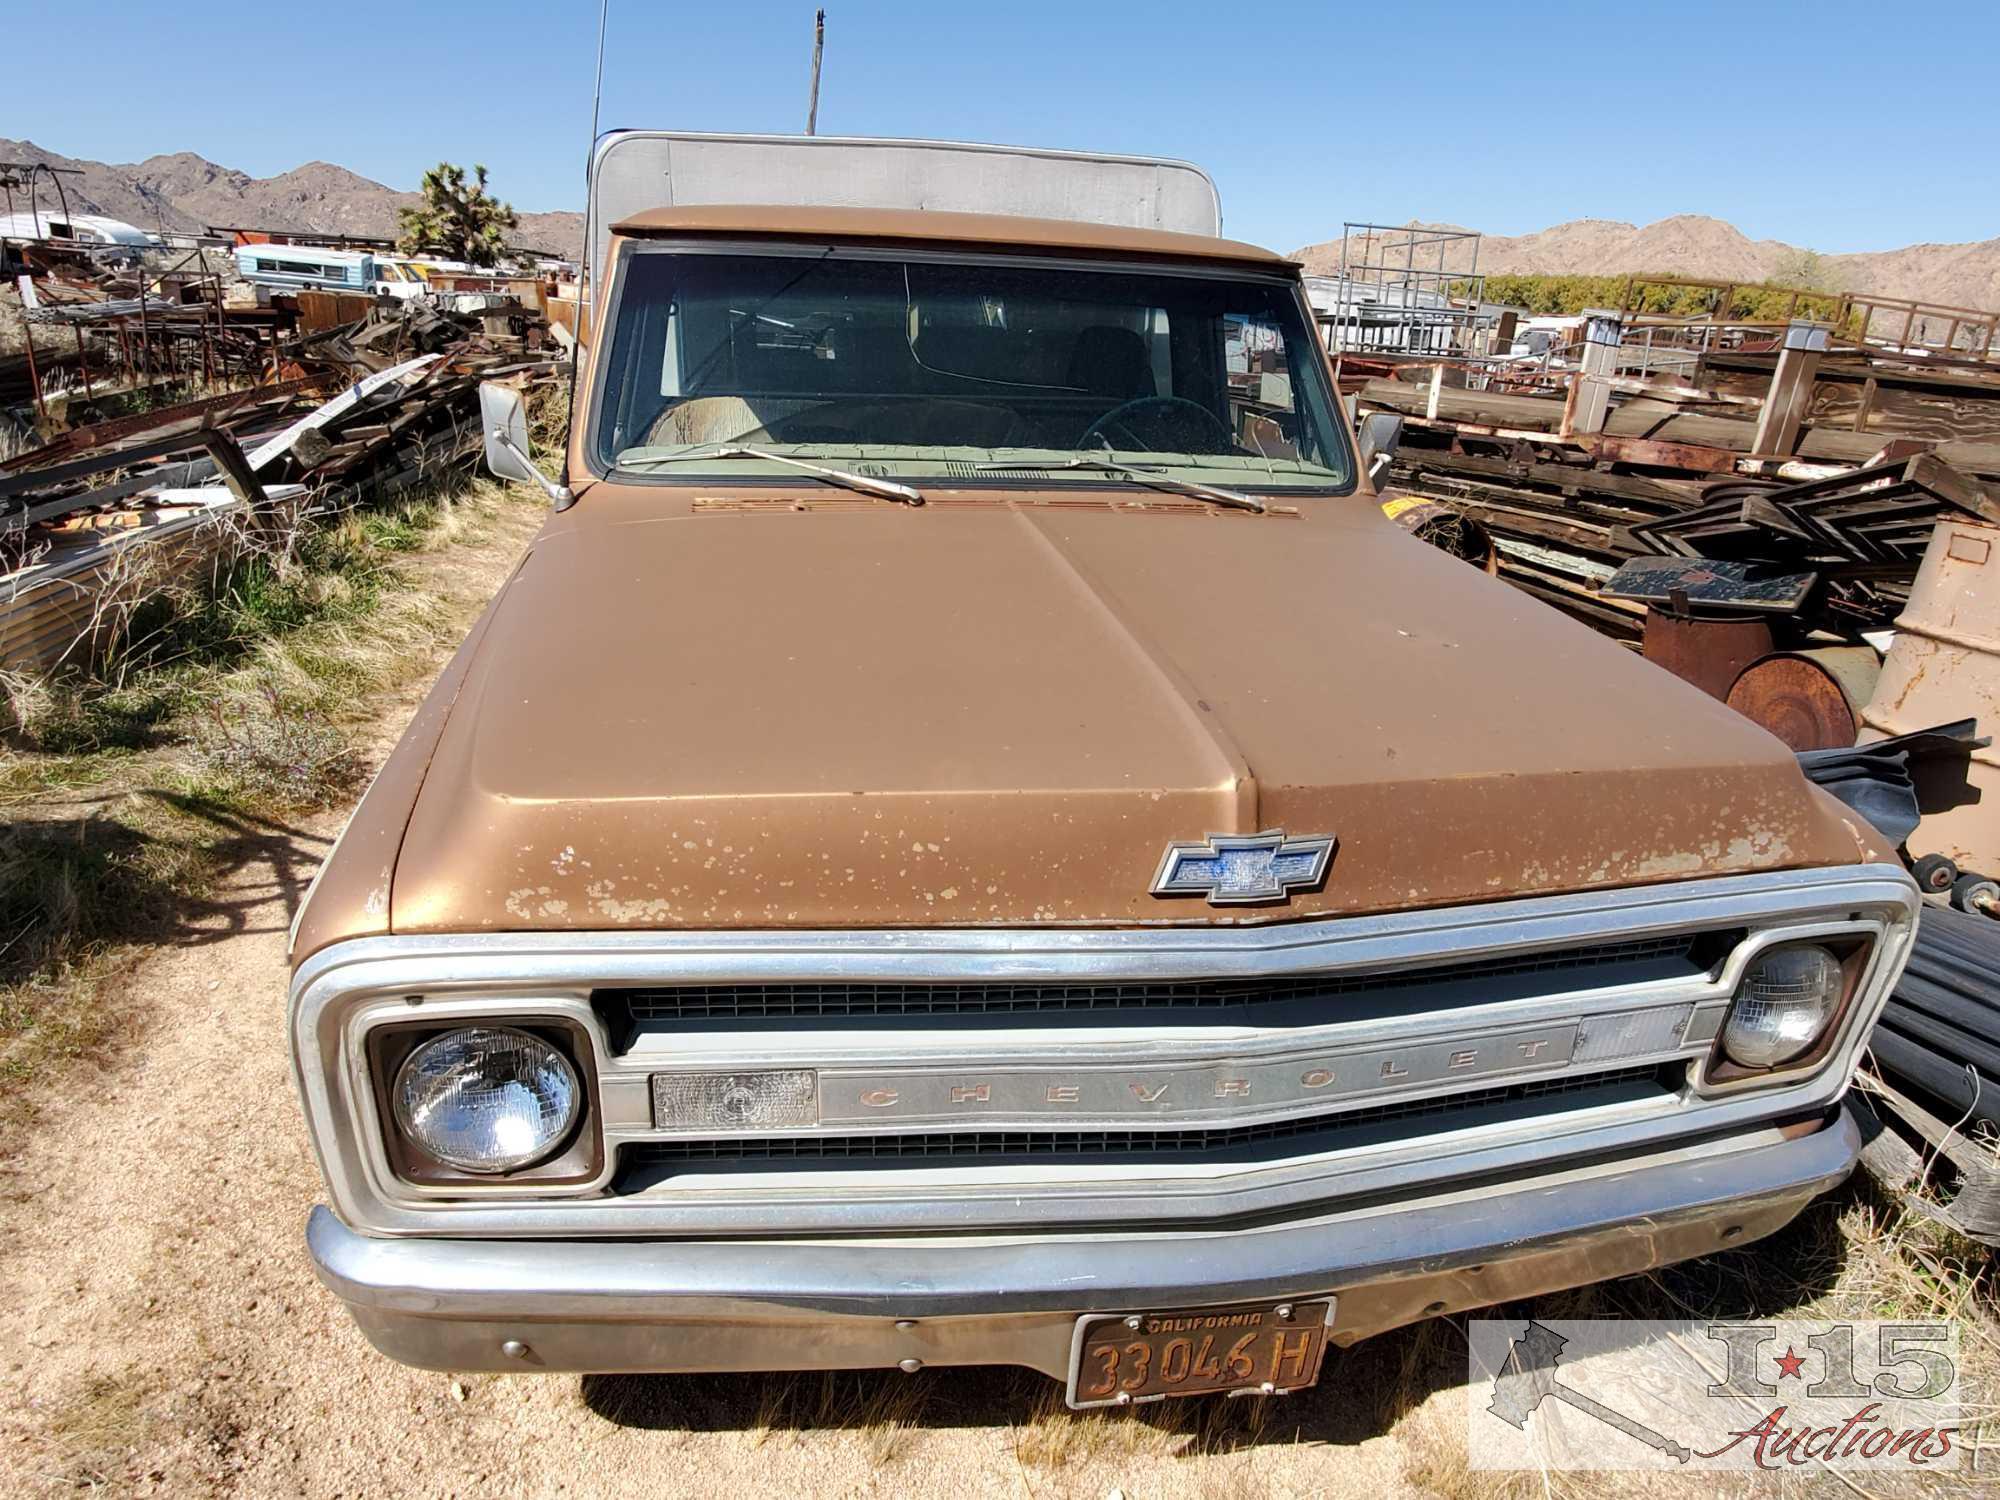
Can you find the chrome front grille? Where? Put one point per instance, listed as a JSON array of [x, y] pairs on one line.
[[1582, 967], [645, 1164], [1002, 1080]]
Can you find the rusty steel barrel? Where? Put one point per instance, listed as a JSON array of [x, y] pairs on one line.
[[1944, 665], [1706, 650], [1809, 699]]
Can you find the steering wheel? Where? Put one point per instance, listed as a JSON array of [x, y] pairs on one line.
[[1116, 418]]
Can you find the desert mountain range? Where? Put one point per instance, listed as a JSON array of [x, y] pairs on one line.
[[186, 192], [1692, 245]]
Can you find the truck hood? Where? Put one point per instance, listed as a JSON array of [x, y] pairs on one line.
[[850, 713]]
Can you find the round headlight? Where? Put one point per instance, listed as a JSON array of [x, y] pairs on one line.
[[486, 1099], [1785, 1002]]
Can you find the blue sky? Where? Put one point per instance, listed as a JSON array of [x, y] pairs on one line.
[[1839, 126]]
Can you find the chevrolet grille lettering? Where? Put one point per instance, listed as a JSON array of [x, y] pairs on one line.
[[1190, 1083]]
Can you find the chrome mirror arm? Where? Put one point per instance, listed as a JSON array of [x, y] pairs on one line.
[[561, 497]]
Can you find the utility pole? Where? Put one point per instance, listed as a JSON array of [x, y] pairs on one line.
[[819, 42]]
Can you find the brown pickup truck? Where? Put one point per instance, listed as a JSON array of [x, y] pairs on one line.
[[969, 839]]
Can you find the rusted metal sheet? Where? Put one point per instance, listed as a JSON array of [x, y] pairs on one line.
[[1945, 664], [1658, 453], [164, 421], [63, 606], [320, 311]]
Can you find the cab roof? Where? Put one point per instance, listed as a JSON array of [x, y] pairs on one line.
[[1004, 230]]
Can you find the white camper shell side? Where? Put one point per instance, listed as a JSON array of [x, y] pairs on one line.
[[635, 170]]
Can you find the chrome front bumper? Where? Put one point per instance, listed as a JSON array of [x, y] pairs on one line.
[[624, 1305]]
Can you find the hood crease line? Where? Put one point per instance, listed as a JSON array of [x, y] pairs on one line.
[[1205, 722]]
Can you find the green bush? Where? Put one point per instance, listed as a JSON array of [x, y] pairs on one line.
[[1565, 296]]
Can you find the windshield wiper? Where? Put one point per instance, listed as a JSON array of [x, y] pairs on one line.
[[866, 483], [1234, 499]]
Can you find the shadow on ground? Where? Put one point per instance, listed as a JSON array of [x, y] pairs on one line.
[[185, 870], [1364, 1390]]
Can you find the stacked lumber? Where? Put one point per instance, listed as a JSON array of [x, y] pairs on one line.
[[1860, 536], [1667, 477], [1560, 528]]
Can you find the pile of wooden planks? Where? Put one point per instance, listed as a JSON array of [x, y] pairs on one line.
[[1669, 471]]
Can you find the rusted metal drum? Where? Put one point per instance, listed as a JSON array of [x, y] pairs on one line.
[[1707, 651], [1809, 699], [1445, 529], [1945, 665]]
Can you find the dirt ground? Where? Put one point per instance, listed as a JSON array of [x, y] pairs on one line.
[[161, 1330]]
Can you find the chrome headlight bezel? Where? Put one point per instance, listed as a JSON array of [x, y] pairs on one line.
[[1860, 953]]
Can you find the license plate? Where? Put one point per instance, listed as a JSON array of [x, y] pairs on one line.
[[1265, 1349]]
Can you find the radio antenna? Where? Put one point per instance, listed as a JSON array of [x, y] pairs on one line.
[[597, 89], [589, 211], [819, 43], [589, 208]]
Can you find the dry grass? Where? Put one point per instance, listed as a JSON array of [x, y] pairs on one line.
[[129, 790], [885, 1411], [1853, 1254], [1055, 1438], [91, 1436]]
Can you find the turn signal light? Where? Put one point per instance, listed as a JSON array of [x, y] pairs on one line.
[[779, 1099]]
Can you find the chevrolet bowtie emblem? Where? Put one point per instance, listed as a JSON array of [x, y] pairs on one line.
[[1233, 869]]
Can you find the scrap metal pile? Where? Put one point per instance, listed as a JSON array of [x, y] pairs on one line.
[[1811, 534], [1834, 555], [1699, 439], [105, 512], [1755, 519], [1834, 552], [88, 331]]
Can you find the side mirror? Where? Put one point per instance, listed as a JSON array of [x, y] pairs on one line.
[[1381, 432], [503, 421]]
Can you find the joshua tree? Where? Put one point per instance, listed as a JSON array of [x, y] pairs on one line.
[[458, 218]]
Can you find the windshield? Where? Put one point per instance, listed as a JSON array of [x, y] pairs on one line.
[[915, 368]]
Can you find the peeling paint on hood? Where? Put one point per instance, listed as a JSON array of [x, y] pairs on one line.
[[871, 716]]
